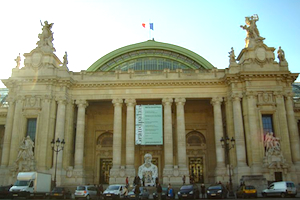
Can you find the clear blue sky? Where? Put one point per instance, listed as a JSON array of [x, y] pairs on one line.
[[88, 29]]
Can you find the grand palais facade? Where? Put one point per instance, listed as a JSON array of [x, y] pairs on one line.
[[95, 111]]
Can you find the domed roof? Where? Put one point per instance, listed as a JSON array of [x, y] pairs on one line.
[[150, 55]]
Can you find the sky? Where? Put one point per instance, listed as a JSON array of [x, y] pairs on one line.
[[90, 29]]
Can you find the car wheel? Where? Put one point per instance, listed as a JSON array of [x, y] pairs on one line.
[[283, 195], [264, 195]]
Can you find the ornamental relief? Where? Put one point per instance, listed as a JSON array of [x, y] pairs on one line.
[[266, 98], [32, 102]]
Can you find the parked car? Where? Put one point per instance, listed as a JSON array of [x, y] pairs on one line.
[[283, 189], [144, 194], [86, 191], [4, 192], [216, 191], [60, 192], [114, 192], [189, 192], [164, 194], [246, 191]]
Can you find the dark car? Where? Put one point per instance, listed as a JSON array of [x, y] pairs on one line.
[[144, 194], [246, 191], [4, 192], [164, 194], [216, 191], [189, 192], [60, 193]]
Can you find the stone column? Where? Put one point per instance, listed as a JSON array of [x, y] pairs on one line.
[[181, 137], [218, 128], [17, 135], [168, 134], [117, 135], [293, 130], [254, 131], [8, 133], [69, 138], [239, 130], [60, 128], [130, 103], [44, 140], [283, 128], [79, 144]]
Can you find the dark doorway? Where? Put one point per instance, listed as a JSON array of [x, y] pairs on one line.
[[278, 176], [196, 170], [105, 166]]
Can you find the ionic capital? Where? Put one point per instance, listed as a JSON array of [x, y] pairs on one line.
[[81, 103], [180, 101], [130, 102], [216, 100], [167, 101], [117, 102]]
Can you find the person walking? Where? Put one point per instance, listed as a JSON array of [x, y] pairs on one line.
[[202, 191], [137, 191], [127, 181], [159, 191]]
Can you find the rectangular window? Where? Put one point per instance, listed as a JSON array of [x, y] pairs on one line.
[[267, 122], [31, 128]]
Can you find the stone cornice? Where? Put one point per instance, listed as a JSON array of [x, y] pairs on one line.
[[147, 83], [242, 76]]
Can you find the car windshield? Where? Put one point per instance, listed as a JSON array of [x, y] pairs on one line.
[[186, 187], [21, 183], [80, 187], [216, 187], [113, 187], [250, 187]]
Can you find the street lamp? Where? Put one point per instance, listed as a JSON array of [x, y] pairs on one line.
[[228, 144], [57, 146]]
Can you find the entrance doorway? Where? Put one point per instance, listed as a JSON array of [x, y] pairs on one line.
[[105, 166], [196, 170], [278, 176]]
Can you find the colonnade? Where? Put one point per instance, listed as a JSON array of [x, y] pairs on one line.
[[284, 105]]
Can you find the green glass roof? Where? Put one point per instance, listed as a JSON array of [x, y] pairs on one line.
[[150, 55]]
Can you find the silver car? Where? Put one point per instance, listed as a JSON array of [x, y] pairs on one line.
[[86, 191], [282, 189]]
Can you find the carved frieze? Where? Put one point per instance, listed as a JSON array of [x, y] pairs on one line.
[[32, 102]]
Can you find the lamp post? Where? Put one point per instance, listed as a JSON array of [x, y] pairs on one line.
[[57, 146], [228, 144]]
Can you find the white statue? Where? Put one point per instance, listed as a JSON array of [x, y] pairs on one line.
[[280, 55], [46, 38], [148, 171], [25, 160], [252, 30], [18, 60], [231, 56]]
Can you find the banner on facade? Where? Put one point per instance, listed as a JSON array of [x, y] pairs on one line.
[[148, 125]]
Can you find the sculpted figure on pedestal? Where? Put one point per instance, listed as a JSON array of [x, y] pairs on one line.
[[231, 56], [280, 55], [46, 38], [18, 60], [148, 171], [25, 159], [252, 30]]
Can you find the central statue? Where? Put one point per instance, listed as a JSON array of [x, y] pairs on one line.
[[148, 171]]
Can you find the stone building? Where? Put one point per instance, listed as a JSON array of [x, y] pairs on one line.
[[94, 111]]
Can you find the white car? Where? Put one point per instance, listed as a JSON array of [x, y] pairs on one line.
[[115, 191], [86, 191], [282, 189]]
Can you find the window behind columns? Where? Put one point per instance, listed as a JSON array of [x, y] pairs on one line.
[[267, 121], [31, 128]]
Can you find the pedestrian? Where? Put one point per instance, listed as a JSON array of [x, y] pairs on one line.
[[159, 191], [183, 179], [125, 192], [170, 191], [202, 191], [137, 191], [127, 181]]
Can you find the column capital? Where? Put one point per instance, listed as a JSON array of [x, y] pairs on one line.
[[216, 100], [130, 102], [81, 103], [278, 94], [61, 99], [251, 94], [236, 96], [167, 101], [117, 102], [180, 100], [289, 95]]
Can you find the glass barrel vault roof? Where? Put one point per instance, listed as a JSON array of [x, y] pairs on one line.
[[150, 55]]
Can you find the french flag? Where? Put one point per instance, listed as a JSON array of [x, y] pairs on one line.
[[148, 25]]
